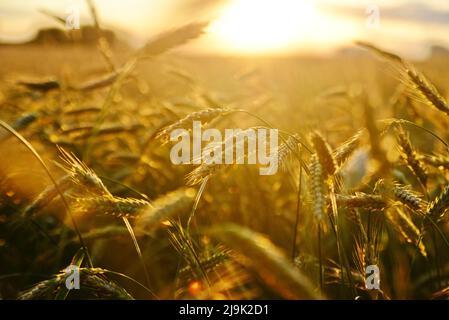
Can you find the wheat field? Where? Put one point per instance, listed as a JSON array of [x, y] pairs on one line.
[[86, 178]]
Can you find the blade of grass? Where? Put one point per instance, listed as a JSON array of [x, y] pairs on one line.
[[137, 247]]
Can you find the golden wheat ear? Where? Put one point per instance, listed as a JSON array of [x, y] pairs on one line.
[[360, 200], [287, 149], [163, 208], [410, 157], [324, 154], [172, 39], [317, 189], [347, 148], [263, 257], [382, 53], [91, 279], [438, 161], [204, 116], [81, 174], [437, 209], [417, 85]]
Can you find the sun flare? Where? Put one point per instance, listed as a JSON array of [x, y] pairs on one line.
[[254, 25]]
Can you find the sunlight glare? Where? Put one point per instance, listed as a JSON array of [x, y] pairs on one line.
[[255, 25]]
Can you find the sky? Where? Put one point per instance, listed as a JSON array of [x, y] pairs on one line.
[[409, 27]]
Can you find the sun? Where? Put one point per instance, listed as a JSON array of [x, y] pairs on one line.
[[264, 25]]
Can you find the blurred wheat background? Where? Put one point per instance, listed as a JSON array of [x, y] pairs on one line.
[[86, 178]]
